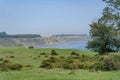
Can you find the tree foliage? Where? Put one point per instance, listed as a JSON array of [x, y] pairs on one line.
[[111, 13], [104, 38], [105, 33], [5, 35]]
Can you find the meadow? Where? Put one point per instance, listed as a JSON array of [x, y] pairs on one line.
[[31, 60]]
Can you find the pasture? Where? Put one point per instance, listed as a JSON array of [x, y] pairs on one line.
[[31, 59]]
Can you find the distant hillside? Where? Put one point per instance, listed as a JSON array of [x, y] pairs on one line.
[[5, 35], [26, 42]]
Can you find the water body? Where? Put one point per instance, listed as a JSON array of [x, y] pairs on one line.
[[71, 45]]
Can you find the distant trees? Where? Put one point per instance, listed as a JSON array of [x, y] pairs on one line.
[[64, 35], [5, 35], [105, 33], [25, 36]]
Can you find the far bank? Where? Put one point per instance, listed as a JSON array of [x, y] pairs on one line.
[[39, 41]]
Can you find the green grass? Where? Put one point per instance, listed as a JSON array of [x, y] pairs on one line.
[[58, 74], [32, 57]]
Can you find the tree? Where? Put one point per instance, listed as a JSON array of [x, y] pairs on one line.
[[103, 38], [111, 13], [105, 33], [3, 34]]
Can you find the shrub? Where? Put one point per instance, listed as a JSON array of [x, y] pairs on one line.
[[72, 72], [52, 59], [62, 57], [43, 53], [71, 65], [66, 63], [82, 66], [47, 64], [12, 56], [6, 61], [46, 56], [15, 66], [66, 66], [34, 58], [28, 65], [74, 65], [84, 58], [97, 66], [69, 59], [74, 53], [75, 57], [106, 64], [58, 65], [115, 56], [1, 59], [38, 56], [31, 47], [93, 63], [53, 52], [4, 66], [109, 64]]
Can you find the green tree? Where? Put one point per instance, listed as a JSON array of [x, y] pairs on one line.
[[111, 13], [105, 33], [103, 38]]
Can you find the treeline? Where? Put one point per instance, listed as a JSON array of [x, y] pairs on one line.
[[63, 35], [5, 35]]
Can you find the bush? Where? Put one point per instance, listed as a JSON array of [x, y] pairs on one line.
[[43, 53], [12, 56], [94, 63], [28, 65], [69, 59], [38, 56], [46, 56], [15, 66], [74, 53], [31, 47], [34, 58], [65, 62], [74, 65], [109, 64], [115, 56], [4, 66], [1, 59], [6, 61], [52, 59], [106, 64], [47, 64], [53, 52], [66, 66], [84, 58], [63, 57], [72, 72]]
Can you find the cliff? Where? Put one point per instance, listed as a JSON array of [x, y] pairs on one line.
[[26, 42]]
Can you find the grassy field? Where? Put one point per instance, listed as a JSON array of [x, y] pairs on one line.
[[33, 58]]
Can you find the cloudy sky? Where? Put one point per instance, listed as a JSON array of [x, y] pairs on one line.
[[48, 17]]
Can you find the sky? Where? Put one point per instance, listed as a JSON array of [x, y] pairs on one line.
[[48, 17]]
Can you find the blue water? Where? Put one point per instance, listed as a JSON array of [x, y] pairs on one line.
[[71, 45]]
